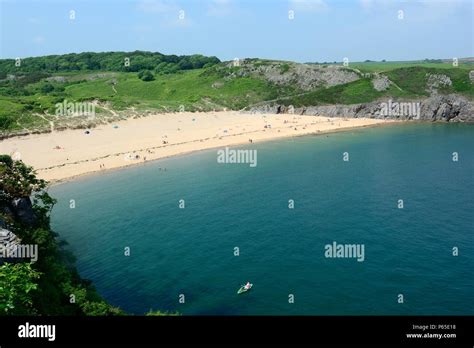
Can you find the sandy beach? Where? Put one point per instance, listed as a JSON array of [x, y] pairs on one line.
[[65, 154]]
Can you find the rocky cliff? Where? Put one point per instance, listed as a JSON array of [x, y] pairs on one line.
[[448, 108]]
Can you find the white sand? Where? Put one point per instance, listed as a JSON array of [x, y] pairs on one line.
[[107, 147]]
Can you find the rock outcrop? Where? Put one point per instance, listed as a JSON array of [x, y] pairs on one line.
[[23, 210], [304, 76], [437, 81], [381, 83]]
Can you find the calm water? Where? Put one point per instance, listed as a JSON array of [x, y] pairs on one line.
[[191, 251]]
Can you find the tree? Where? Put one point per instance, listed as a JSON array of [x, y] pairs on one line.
[[146, 75], [108, 61], [99, 308], [47, 88], [7, 160], [18, 179], [17, 281]]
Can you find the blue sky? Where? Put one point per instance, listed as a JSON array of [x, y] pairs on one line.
[[321, 30]]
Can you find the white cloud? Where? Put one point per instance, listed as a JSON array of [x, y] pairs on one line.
[[441, 5], [437, 10], [308, 5], [366, 4], [369, 4], [157, 6], [219, 8], [169, 14], [416, 11]]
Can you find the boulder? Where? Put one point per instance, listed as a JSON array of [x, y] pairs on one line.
[[381, 83]]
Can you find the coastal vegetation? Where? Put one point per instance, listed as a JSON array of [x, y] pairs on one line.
[[49, 285]]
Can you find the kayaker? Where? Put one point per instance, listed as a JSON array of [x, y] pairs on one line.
[[247, 286]]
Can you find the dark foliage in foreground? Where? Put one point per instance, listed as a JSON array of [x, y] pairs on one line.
[[51, 285]]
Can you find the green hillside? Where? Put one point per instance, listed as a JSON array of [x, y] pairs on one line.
[[156, 82]]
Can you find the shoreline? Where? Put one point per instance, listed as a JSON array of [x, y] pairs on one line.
[[110, 170], [66, 155]]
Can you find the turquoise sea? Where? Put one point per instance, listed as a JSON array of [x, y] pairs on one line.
[[190, 251]]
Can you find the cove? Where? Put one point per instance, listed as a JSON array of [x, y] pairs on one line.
[[190, 251]]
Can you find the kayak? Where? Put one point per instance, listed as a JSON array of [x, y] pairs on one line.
[[243, 289]]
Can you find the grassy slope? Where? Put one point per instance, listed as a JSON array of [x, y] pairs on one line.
[[192, 89], [411, 81]]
